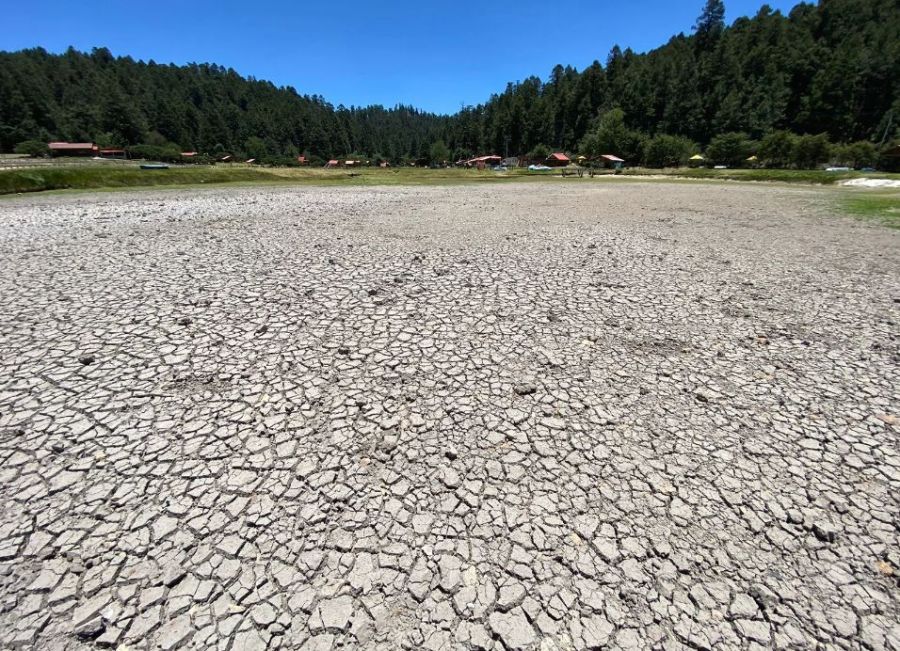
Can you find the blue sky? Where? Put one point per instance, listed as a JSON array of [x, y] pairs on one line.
[[433, 55]]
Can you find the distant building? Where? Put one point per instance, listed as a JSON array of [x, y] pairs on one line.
[[302, 160], [611, 161], [558, 159], [72, 149], [480, 162], [891, 158], [332, 163], [111, 152]]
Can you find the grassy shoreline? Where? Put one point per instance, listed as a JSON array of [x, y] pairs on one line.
[[878, 206], [41, 179]]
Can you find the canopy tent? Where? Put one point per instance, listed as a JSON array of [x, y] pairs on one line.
[[697, 157], [612, 159], [483, 161]]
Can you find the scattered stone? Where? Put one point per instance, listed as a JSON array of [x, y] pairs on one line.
[[90, 629], [525, 389], [825, 530]]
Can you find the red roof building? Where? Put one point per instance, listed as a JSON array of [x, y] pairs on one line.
[[558, 159], [72, 148]]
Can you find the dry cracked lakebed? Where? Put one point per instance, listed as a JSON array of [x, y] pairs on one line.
[[561, 415]]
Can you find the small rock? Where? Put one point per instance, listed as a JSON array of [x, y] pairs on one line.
[[525, 389], [87, 360], [743, 606], [389, 443], [450, 478], [90, 629], [185, 320], [172, 575], [110, 637], [825, 530]]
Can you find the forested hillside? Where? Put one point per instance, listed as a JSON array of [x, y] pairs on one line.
[[119, 101], [831, 68]]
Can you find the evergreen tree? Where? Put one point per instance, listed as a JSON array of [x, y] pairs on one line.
[[711, 22]]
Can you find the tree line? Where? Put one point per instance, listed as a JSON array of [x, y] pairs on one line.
[[821, 83]]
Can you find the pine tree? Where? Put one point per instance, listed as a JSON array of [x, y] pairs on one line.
[[711, 22]]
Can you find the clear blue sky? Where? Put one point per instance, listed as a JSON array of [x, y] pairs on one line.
[[435, 55]]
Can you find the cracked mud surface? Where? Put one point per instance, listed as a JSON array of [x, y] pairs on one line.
[[555, 416]]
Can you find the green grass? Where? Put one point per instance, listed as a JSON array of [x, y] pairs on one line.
[[97, 177], [819, 177], [64, 178], [880, 207], [38, 179]]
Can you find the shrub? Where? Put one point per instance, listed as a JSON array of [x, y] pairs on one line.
[[33, 148], [856, 154], [777, 148], [540, 152], [730, 149], [668, 151], [439, 152], [811, 151], [612, 137], [280, 161], [166, 154]]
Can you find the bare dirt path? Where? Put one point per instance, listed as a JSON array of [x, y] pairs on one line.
[[556, 416]]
